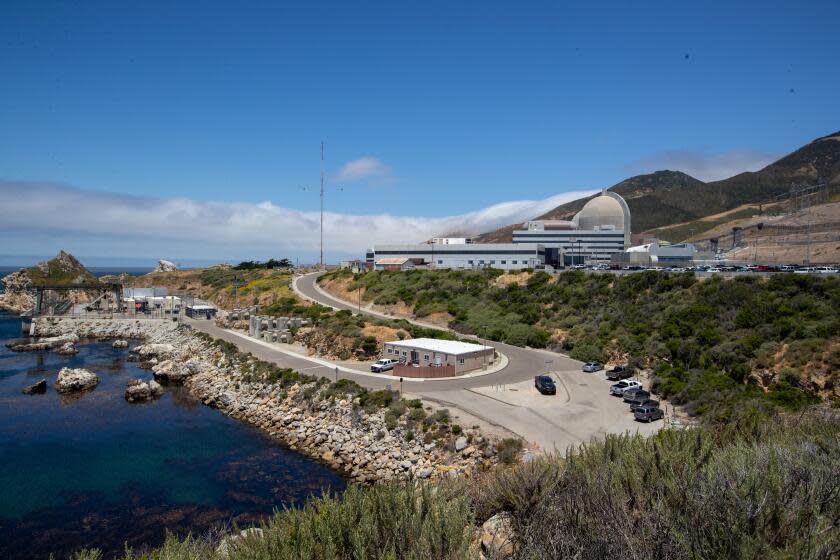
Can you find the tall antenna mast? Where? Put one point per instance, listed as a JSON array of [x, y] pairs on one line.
[[322, 205]]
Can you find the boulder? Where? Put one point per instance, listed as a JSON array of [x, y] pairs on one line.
[[140, 391], [425, 472], [120, 343], [175, 373], [71, 380], [68, 349], [147, 351], [460, 443], [496, 538], [37, 388]]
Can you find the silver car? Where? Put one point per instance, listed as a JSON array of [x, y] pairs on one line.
[[590, 367]]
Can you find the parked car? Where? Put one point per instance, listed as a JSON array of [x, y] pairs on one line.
[[383, 365], [636, 394], [545, 385], [617, 389], [826, 270], [713, 269], [590, 367], [620, 372], [648, 402], [787, 268], [648, 413]]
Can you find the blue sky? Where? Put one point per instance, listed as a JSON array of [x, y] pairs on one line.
[[428, 109]]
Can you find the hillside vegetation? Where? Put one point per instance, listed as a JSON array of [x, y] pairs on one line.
[[216, 284], [710, 345], [761, 488]]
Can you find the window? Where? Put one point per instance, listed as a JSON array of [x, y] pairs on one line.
[[426, 357], [390, 351], [460, 360], [440, 262], [469, 262], [504, 262], [405, 353], [492, 262], [513, 262]]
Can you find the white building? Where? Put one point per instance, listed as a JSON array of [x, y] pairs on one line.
[[507, 256], [599, 230], [658, 253]]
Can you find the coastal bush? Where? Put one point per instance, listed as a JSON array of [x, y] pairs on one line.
[[705, 339], [757, 487], [508, 450]]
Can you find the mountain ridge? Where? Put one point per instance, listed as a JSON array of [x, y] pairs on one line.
[[669, 197]]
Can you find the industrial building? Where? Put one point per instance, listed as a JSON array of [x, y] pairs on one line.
[[656, 253], [600, 230], [453, 356], [507, 256]]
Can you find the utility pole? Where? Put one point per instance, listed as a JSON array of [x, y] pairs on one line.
[[322, 205]]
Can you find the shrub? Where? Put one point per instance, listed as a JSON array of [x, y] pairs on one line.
[[508, 450], [417, 415]]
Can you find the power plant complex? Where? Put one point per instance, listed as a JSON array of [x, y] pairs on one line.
[[598, 234]]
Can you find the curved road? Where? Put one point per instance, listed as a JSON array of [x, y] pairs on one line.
[[582, 409]]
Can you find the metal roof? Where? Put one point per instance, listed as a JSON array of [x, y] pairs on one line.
[[453, 347], [393, 260]]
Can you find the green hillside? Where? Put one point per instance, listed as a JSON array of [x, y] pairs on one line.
[[711, 345]]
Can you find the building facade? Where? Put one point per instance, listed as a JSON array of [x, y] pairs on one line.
[[656, 253], [600, 230], [432, 352], [506, 256]]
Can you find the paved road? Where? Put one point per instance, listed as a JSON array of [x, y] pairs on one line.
[[582, 409]]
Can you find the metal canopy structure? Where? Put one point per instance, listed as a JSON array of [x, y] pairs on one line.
[[114, 288]]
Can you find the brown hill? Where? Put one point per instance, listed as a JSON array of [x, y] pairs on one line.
[[665, 198]]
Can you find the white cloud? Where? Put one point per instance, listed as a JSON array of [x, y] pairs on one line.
[[704, 165], [40, 218], [363, 168]]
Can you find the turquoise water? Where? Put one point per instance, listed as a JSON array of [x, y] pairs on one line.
[[96, 470]]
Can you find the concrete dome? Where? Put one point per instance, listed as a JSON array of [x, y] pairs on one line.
[[602, 210]]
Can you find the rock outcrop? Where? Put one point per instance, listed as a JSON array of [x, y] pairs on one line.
[[46, 343], [165, 266], [64, 268], [308, 415], [138, 390], [72, 380], [36, 389], [18, 296], [119, 343]]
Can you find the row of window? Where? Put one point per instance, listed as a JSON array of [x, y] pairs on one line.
[[396, 352]]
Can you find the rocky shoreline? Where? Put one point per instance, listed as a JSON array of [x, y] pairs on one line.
[[326, 421]]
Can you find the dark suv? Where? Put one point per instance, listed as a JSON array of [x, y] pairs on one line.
[[637, 395], [620, 372], [648, 413], [545, 385], [648, 402]]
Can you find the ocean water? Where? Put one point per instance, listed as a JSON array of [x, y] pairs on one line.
[[94, 470]]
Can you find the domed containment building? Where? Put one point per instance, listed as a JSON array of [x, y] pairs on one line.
[[599, 230]]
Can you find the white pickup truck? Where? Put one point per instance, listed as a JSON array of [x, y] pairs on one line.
[[617, 389], [382, 365]]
